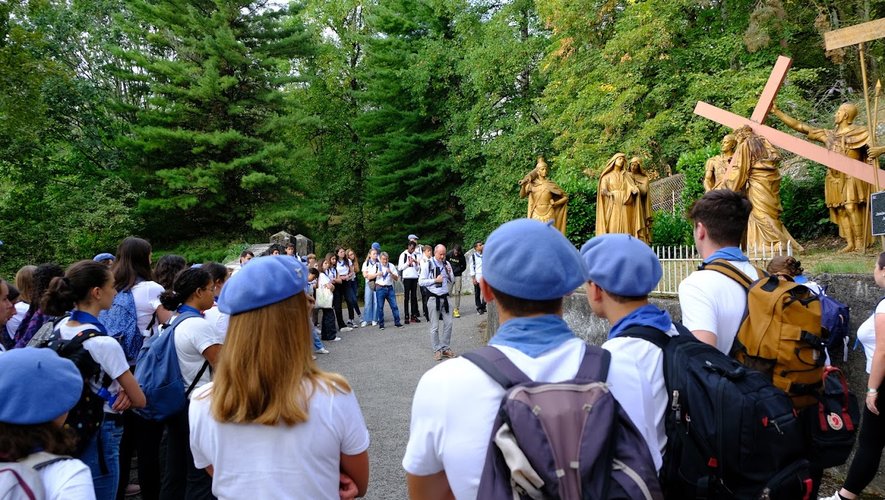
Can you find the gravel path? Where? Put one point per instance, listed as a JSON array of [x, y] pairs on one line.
[[384, 367]]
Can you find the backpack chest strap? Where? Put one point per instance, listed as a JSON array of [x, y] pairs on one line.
[[594, 366]]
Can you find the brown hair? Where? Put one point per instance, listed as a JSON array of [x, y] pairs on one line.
[[785, 264], [133, 263], [24, 281], [523, 307], [265, 362], [19, 441], [73, 288], [724, 214]]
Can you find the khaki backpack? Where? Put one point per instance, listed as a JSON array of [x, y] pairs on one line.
[[781, 333]]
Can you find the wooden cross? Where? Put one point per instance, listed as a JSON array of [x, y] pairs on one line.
[[793, 144]]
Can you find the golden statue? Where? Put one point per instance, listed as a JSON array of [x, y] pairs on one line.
[[642, 212], [716, 167], [754, 170], [547, 201], [846, 197], [616, 198]]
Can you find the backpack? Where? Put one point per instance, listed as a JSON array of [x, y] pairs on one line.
[[731, 434], [568, 440], [159, 374], [833, 422], [86, 417], [835, 317], [781, 333], [21, 480], [121, 320]]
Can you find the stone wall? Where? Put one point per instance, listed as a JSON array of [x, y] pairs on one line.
[[859, 291]]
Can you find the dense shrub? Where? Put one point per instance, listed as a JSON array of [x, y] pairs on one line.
[[805, 210], [671, 229], [581, 224]]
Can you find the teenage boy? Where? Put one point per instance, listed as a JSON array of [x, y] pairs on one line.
[[474, 269]]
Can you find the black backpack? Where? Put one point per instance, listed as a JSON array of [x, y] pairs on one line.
[[730, 433], [86, 417], [568, 440]]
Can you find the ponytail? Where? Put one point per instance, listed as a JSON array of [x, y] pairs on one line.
[[66, 291], [186, 284]]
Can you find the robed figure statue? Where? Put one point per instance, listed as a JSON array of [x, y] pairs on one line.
[[616, 199], [547, 201]]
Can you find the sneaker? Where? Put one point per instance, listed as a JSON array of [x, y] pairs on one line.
[[407, 321], [349, 323], [132, 490], [363, 324], [416, 320], [381, 327], [437, 356], [347, 329], [322, 351], [374, 323], [834, 497], [399, 326], [336, 339], [457, 313], [448, 353]]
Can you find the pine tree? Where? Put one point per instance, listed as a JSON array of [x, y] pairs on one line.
[[411, 83], [212, 74]]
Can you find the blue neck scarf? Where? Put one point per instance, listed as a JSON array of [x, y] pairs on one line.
[[186, 308], [647, 315], [533, 336], [727, 253], [84, 318]]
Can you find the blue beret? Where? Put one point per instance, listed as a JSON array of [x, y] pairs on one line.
[[622, 265], [104, 256], [37, 386], [531, 260], [263, 282], [376, 246]]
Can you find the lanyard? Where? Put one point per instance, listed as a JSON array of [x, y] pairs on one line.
[[84, 318]]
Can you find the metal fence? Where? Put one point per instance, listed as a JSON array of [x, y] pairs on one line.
[[666, 193], [680, 261]]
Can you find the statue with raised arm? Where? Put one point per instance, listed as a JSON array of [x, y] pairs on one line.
[[547, 201], [616, 198], [754, 171], [846, 197], [716, 168], [642, 213]]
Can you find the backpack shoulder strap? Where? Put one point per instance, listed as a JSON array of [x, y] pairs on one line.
[[83, 336], [42, 459], [496, 365], [647, 333], [181, 317], [722, 266], [594, 365]]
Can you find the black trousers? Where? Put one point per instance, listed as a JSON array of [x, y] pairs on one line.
[[182, 479], [337, 299], [328, 330], [425, 295], [871, 441], [143, 437], [410, 298], [477, 296]]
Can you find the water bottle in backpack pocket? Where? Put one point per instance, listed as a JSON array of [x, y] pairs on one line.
[[567, 440]]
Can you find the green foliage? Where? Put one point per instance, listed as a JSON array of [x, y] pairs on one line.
[[581, 223], [671, 229], [691, 165], [205, 250], [805, 210]]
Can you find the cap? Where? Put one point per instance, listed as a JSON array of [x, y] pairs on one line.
[[413, 237], [376, 246], [103, 257], [531, 260], [622, 265], [263, 282], [37, 386]]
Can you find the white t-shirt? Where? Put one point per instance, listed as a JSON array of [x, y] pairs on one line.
[[714, 302], [106, 352], [66, 480], [192, 337], [218, 319], [636, 379], [866, 334], [454, 408], [21, 308], [262, 461], [409, 271], [474, 267], [147, 299], [387, 274]]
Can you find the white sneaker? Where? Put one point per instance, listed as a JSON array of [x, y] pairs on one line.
[[374, 323], [363, 324], [322, 351], [834, 497], [347, 329], [336, 339]]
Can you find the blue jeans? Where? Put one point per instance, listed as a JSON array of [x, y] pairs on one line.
[[369, 306], [387, 293], [111, 433], [317, 343]]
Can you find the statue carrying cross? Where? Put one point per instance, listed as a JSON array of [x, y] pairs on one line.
[[848, 147]]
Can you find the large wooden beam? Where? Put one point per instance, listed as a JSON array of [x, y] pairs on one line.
[[793, 144], [769, 93], [854, 35]]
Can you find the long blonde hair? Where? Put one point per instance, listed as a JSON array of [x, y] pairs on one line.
[[266, 374]]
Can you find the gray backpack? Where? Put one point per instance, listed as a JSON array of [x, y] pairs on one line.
[[21, 480], [568, 440]]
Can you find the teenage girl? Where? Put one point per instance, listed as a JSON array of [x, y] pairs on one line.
[[86, 289], [370, 272], [272, 424], [197, 344], [327, 278], [24, 281], [35, 317], [342, 289], [351, 290], [219, 275]]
